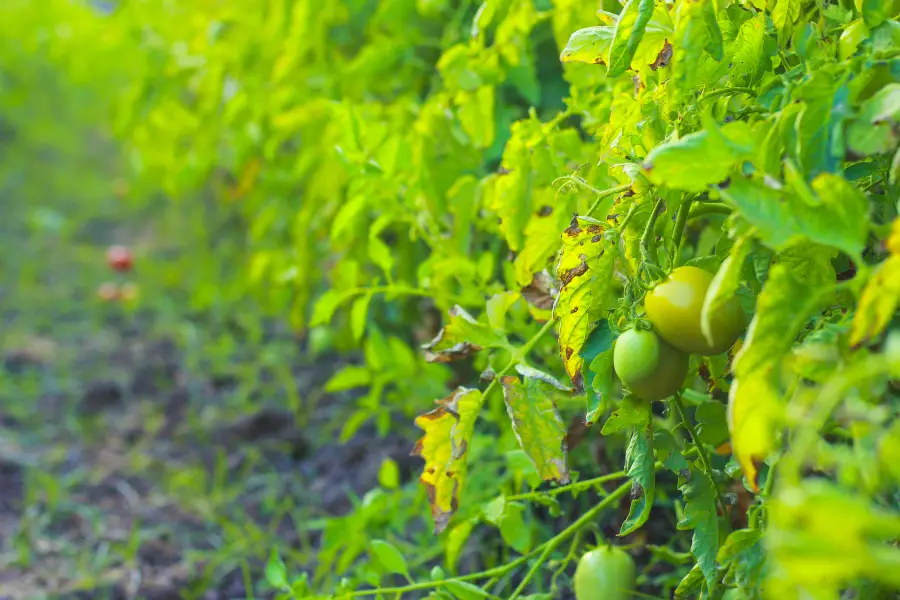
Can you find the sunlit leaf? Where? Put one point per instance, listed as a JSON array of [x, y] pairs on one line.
[[589, 45]]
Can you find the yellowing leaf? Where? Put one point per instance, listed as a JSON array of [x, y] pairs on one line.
[[588, 45], [878, 302], [754, 405], [585, 270], [448, 430], [536, 422]]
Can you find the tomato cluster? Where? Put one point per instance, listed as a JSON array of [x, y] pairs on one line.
[[653, 364]]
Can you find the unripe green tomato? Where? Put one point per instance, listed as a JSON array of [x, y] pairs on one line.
[[606, 573], [674, 308], [649, 368]]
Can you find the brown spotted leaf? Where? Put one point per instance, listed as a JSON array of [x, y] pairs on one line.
[[448, 430], [462, 337], [585, 270], [536, 422]]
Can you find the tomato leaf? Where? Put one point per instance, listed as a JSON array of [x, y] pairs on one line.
[[629, 30], [784, 14], [696, 161], [632, 411], [725, 284], [755, 401], [389, 557], [700, 515], [585, 270], [536, 422], [448, 431], [743, 557], [878, 302], [875, 129], [275, 570], [589, 45], [781, 218], [462, 337], [639, 464]]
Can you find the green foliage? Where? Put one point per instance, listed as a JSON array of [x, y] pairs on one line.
[[389, 161]]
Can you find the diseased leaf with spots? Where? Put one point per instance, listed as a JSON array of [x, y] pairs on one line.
[[639, 464], [700, 515], [448, 431], [585, 271], [878, 303], [462, 337], [755, 407], [536, 422]]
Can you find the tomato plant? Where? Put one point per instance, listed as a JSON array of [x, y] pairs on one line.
[[675, 307], [648, 366], [401, 178]]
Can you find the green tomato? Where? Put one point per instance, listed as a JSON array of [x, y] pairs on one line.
[[649, 368], [674, 308], [606, 573]]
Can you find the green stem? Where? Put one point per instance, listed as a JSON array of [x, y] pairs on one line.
[[680, 224], [574, 487], [631, 211], [553, 542], [603, 195], [709, 208], [648, 238], [517, 356], [701, 451], [586, 518], [728, 90]]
